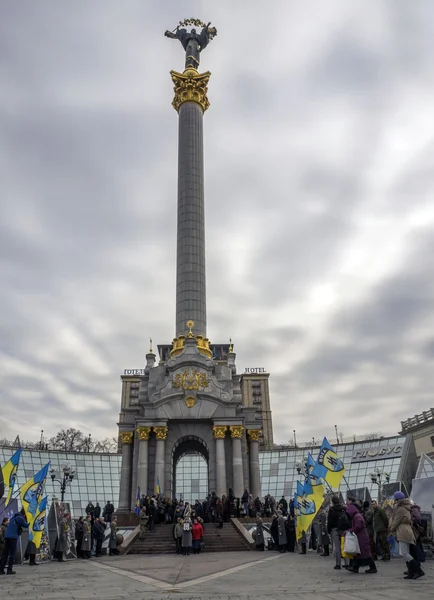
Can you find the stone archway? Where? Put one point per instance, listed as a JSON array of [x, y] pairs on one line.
[[194, 447]]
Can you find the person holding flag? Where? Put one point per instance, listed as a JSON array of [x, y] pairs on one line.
[[13, 532]]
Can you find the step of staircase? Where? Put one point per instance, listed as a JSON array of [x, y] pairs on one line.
[[160, 541]]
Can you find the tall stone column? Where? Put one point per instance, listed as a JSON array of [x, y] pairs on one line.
[[219, 435], [237, 459], [190, 102], [160, 466], [127, 438], [255, 472], [142, 463]]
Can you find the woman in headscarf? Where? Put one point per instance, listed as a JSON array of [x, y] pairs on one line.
[[401, 528], [358, 526]]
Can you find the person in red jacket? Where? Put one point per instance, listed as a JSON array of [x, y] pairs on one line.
[[196, 536]]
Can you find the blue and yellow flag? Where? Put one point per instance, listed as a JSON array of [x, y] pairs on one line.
[[10, 473], [328, 465], [138, 502], [314, 485], [157, 487], [37, 525], [32, 492]]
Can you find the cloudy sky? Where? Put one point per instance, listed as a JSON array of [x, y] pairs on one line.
[[319, 158]]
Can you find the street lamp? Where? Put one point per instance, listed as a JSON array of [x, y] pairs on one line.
[[379, 477], [68, 476]]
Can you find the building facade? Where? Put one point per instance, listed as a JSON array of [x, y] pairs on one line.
[[421, 428], [97, 476]]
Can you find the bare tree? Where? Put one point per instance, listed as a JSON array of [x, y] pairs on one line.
[[68, 440], [108, 444]]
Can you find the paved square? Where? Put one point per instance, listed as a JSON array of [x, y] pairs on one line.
[[213, 576]]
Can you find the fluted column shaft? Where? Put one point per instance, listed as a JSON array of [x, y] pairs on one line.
[[220, 434], [255, 472], [142, 464], [126, 471], [237, 460], [160, 464], [190, 272]]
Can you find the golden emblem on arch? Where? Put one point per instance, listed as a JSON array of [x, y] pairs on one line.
[[190, 401], [190, 380]]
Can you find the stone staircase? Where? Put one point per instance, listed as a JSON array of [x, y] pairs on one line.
[[160, 541]]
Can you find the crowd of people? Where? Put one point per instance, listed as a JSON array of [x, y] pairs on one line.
[[368, 521], [372, 525]]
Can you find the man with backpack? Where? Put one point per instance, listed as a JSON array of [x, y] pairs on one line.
[[337, 523], [15, 527]]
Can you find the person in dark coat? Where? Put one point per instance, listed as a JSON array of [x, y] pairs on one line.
[[358, 526], [274, 530], [79, 536], [86, 544], [219, 512], [380, 523], [13, 532], [89, 511], [245, 501], [284, 504], [335, 519], [368, 515], [113, 546], [62, 546], [98, 533], [281, 530], [290, 533], [3, 528], [31, 554], [324, 538], [97, 511], [109, 509], [259, 540]]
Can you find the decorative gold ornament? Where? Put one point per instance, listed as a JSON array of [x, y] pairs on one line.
[[231, 348], [143, 433], [202, 345], [190, 381], [236, 431], [190, 401], [161, 432], [190, 87], [127, 437], [190, 325], [150, 345], [219, 432], [254, 435]]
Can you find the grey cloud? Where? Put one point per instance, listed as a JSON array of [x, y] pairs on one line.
[[297, 155]]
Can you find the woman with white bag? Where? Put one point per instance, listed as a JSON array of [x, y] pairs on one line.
[[358, 545]]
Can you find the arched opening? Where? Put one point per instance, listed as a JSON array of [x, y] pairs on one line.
[[190, 469]]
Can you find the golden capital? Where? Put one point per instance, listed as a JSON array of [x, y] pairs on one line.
[[143, 433], [254, 435], [236, 431], [127, 437], [190, 86], [161, 432], [219, 432]]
